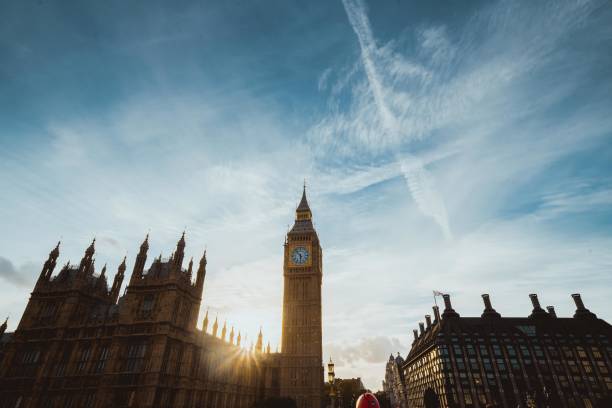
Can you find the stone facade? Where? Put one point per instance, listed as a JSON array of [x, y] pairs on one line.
[[393, 385], [302, 362], [80, 344]]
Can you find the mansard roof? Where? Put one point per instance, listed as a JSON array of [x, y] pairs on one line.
[[522, 326]]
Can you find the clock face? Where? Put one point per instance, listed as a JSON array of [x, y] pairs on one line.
[[299, 256]]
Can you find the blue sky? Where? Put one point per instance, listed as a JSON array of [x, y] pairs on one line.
[[464, 147]]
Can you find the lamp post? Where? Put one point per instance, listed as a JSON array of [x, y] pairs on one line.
[[331, 376]]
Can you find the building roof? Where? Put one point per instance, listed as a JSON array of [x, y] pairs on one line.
[[513, 326]]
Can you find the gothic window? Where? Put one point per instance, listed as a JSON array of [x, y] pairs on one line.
[[83, 358], [29, 363], [146, 307], [48, 311], [100, 363], [135, 357]]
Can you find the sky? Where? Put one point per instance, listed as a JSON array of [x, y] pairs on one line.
[[457, 146]]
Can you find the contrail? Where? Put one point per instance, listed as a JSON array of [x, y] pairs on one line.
[[418, 179]]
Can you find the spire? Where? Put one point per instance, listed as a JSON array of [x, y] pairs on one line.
[[49, 266], [189, 269], [55, 252], [87, 261], [179, 253], [215, 327], [259, 345], [231, 338], [141, 259], [205, 322], [268, 348], [103, 273], [201, 274], [303, 209], [238, 339], [114, 293], [91, 249], [3, 326], [224, 330]]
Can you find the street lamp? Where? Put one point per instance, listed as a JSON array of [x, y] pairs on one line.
[[331, 377]]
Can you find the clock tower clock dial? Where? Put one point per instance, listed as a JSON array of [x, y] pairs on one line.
[[302, 361]]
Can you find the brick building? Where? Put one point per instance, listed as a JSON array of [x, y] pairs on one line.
[[491, 361]]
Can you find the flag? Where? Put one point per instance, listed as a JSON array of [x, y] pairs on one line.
[[436, 293]]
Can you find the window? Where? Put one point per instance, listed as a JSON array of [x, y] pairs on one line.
[[146, 308], [100, 363], [82, 359], [135, 357]]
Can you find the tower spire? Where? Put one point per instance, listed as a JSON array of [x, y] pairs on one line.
[[180, 253], [114, 293], [205, 322], [259, 345], [3, 326], [215, 327], [141, 258], [201, 274], [87, 260], [50, 263], [224, 330]]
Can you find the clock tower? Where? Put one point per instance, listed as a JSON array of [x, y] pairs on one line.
[[302, 355]]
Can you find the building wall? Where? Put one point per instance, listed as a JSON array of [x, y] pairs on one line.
[[509, 362], [76, 347]]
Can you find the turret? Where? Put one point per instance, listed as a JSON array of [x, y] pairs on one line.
[[268, 348], [238, 339], [114, 293], [259, 345], [86, 265], [224, 331], [205, 322], [231, 338], [179, 254], [49, 265], [201, 274], [189, 269], [141, 259], [215, 328]]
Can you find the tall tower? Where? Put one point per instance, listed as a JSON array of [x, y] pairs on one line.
[[302, 355]]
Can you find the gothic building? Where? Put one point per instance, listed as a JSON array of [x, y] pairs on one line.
[[393, 384], [492, 361], [80, 344]]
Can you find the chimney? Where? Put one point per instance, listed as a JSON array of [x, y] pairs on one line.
[[488, 310], [537, 309], [551, 311], [421, 328], [448, 308], [581, 311], [436, 311], [416, 334], [428, 320]]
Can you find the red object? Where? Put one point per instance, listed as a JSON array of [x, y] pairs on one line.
[[367, 400]]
